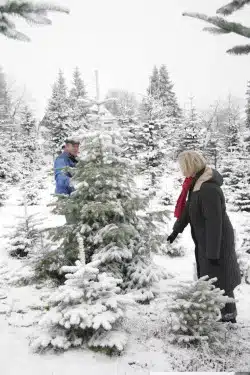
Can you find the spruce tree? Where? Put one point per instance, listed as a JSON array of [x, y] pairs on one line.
[[77, 98], [191, 133], [195, 311], [247, 123], [28, 11], [222, 26], [103, 209], [153, 89], [167, 95], [152, 137], [4, 101], [57, 119], [87, 309]]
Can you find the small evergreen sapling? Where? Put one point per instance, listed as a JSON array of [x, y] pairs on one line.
[[195, 311], [26, 235], [243, 252], [87, 309]]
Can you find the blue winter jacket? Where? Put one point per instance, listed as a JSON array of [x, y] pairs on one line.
[[62, 177]]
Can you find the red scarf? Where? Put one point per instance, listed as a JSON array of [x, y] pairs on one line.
[[181, 202]]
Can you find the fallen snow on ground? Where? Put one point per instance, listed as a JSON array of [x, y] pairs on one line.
[[149, 349]]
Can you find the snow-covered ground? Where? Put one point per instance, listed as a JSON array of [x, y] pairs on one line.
[[148, 350]]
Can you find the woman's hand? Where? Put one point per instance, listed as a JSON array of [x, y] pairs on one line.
[[172, 237]]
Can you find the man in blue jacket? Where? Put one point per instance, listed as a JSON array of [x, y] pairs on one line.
[[66, 159]]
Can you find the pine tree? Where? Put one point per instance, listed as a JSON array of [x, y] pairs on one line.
[[57, 119], [232, 139], [26, 236], [77, 98], [4, 101], [243, 251], [86, 309], [167, 95], [191, 132], [152, 137], [247, 123], [104, 210], [9, 165], [153, 89], [222, 26], [30, 12], [195, 310]]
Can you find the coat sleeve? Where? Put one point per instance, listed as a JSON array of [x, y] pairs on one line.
[[183, 221], [212, 211], [62, 180]]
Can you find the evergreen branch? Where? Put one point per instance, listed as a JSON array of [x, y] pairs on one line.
[[232, 7], [215, 30], [240, 50], [31, 13], [221, 23]]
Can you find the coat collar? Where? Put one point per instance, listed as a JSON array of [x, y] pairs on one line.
[[205, 175]]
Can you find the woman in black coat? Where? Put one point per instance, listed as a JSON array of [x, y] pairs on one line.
[[211, 229]]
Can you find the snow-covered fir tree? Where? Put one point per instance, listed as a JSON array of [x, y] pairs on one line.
[[243, 251], [191, 139], [125, 109], [153, 138], [232, 125], [195, 312], [248, 106], [161, 90], [247, 122], [57, 119], [167, 94], [153, 89], [9, 171], [77, 97], [104, 210], [86, 310], [26, 235]]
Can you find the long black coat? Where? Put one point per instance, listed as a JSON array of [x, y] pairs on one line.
[[211, 229]]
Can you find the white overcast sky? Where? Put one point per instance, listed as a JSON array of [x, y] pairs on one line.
[[124, 39]]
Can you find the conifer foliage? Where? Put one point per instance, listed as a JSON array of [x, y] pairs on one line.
[[196, 309], [222, 26], [27, 10], [87, 309], [57, 119], [103, 209]]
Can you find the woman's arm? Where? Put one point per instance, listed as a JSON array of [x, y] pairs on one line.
[[183, 221], [212, 211]]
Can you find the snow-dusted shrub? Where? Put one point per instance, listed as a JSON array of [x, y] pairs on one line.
[[25, 236], [195, 312], [87, 309]]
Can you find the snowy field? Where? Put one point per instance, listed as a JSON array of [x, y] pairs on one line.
[[148, 350]]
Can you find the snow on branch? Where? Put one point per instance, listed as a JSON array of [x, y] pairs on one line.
[[240, 50], [232, 7], [221, 23], [30, 12]]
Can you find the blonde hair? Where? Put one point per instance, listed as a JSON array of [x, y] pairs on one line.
[[191, 162]]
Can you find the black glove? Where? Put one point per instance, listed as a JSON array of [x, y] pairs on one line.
[[214, 262], [172, 237]]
